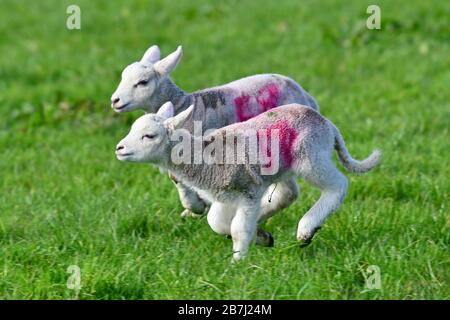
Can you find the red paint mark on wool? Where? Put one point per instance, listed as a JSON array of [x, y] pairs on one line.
[[242, 111], [287, 136], [268, 97], [241, 104]]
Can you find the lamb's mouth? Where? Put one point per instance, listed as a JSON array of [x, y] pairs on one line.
[[121, 107], [124, 155]]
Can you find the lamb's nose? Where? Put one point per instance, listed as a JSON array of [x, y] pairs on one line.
[[120, 148], [115, 100]]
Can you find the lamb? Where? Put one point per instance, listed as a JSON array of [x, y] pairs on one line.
[[146, 85], [303, 146]]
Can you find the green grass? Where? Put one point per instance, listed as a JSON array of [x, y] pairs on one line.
[[65, 200]]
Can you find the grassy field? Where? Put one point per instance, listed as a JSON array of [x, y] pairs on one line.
[[65, 200]]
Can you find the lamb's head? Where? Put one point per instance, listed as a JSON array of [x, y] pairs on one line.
[[149, 139], [141, 80]]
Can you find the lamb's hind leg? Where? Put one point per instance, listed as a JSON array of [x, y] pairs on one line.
[[278, 196], [333, 185], [193, 205]]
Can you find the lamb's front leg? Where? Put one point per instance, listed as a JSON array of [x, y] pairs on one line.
[[193, 205], [243, 228]]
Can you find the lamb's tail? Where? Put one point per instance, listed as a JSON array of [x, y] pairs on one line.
[[348, 162]]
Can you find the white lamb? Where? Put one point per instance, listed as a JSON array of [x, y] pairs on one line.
[[305, 142]]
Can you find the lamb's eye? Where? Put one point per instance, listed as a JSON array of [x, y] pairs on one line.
[[141, 83], [148, 136]]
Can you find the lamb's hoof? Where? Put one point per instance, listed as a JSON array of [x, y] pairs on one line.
[[237, 256], [305, 243], [228, 236], [264, 239], [305, 239], [271, 240], [188, 213]]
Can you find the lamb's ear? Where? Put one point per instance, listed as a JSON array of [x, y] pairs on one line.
[[151, 56], [178, 121], [168, 64], [166, 111]]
